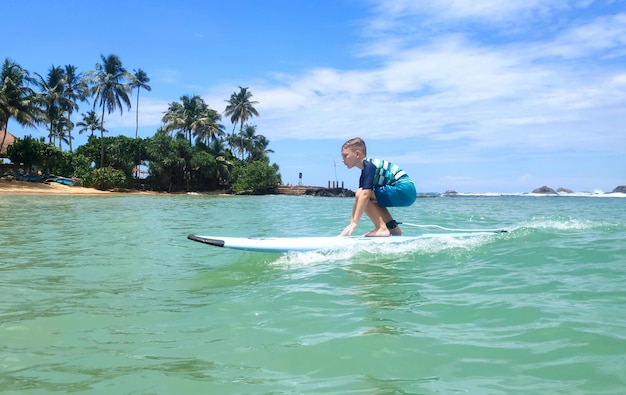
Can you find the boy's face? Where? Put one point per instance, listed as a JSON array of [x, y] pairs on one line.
[[352, 158]]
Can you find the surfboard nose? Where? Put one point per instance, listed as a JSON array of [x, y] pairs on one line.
[[213, 242]]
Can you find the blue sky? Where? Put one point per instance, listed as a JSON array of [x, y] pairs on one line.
[[475, 96]]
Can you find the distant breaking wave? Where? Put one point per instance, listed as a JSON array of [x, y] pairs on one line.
[[596, 193]]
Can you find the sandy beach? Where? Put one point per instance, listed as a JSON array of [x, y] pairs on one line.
[[53, 188]]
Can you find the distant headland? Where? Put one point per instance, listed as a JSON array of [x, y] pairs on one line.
[[545, 190], [9, 186]]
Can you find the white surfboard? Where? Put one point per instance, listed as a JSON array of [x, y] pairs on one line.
[[301, 244]]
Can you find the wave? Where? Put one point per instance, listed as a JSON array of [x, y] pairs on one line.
[[444, 243], [596, 193]]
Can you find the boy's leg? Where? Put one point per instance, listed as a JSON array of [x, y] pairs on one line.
[[388, 218], [380, 216]]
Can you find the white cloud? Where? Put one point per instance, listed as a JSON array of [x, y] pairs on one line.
[[496, 11], [547, 95], [450, 87], [603, 36]]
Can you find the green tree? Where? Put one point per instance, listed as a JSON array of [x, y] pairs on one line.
[[27, 151], [106, 178], [203, 166], [237, 144], [110, 88], [257, 177], [223, 165], [251, 145], [166, 165], [90, 122], [212, 129], [140, 81], [61, 128], [259, 148], [52, 87], [191, 117], [54, 160], [82, 166], [17, 99], [122, 153], [90, 150], [240, 108], [75, 91]]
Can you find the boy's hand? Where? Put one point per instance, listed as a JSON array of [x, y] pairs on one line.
[[348, 230]]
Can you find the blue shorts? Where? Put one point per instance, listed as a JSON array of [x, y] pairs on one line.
[[400, 194]]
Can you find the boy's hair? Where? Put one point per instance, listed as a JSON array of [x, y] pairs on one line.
[[354, 144]]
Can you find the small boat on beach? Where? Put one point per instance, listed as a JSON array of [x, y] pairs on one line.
[[61, 180]]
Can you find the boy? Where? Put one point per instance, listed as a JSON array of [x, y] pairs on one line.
[[382, 184]]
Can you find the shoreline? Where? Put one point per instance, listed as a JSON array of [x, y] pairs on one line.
[[16, 187]]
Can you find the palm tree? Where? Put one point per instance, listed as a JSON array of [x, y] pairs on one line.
[[240, 108], [75, 90], [192, 117], [62, 128], [52, 88], [140, 80], [248, 136], [254, 144], [91, 122], [222, 165], [213, 129], [236, 143], [17, 100], [259, 148], [110, 87]]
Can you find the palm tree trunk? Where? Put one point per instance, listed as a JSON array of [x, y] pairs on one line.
[[4, 135], [137, 115], [102, 138], [69, 130]]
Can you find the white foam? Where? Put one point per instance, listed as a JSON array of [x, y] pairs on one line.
[[419, 246], [595, 193]]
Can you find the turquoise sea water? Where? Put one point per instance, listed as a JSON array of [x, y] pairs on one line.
[[105, 295]]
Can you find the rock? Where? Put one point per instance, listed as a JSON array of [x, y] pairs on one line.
[[545, 190], [564, 190], [620, 189], [329, 192], [450, 192]]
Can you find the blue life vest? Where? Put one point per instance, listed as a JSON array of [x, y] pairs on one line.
[[386, 172]]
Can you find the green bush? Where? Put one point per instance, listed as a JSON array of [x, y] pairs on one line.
[[106, 178], [257, 177]]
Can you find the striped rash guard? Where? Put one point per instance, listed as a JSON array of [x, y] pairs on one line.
[[377, 173]]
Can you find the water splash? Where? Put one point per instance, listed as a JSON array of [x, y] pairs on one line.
[[562, 223], [426, 246]]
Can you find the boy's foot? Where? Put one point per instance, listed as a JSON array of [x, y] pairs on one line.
[[378, 233], [393, 227]]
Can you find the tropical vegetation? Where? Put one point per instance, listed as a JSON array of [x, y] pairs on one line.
[[190, 151]]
